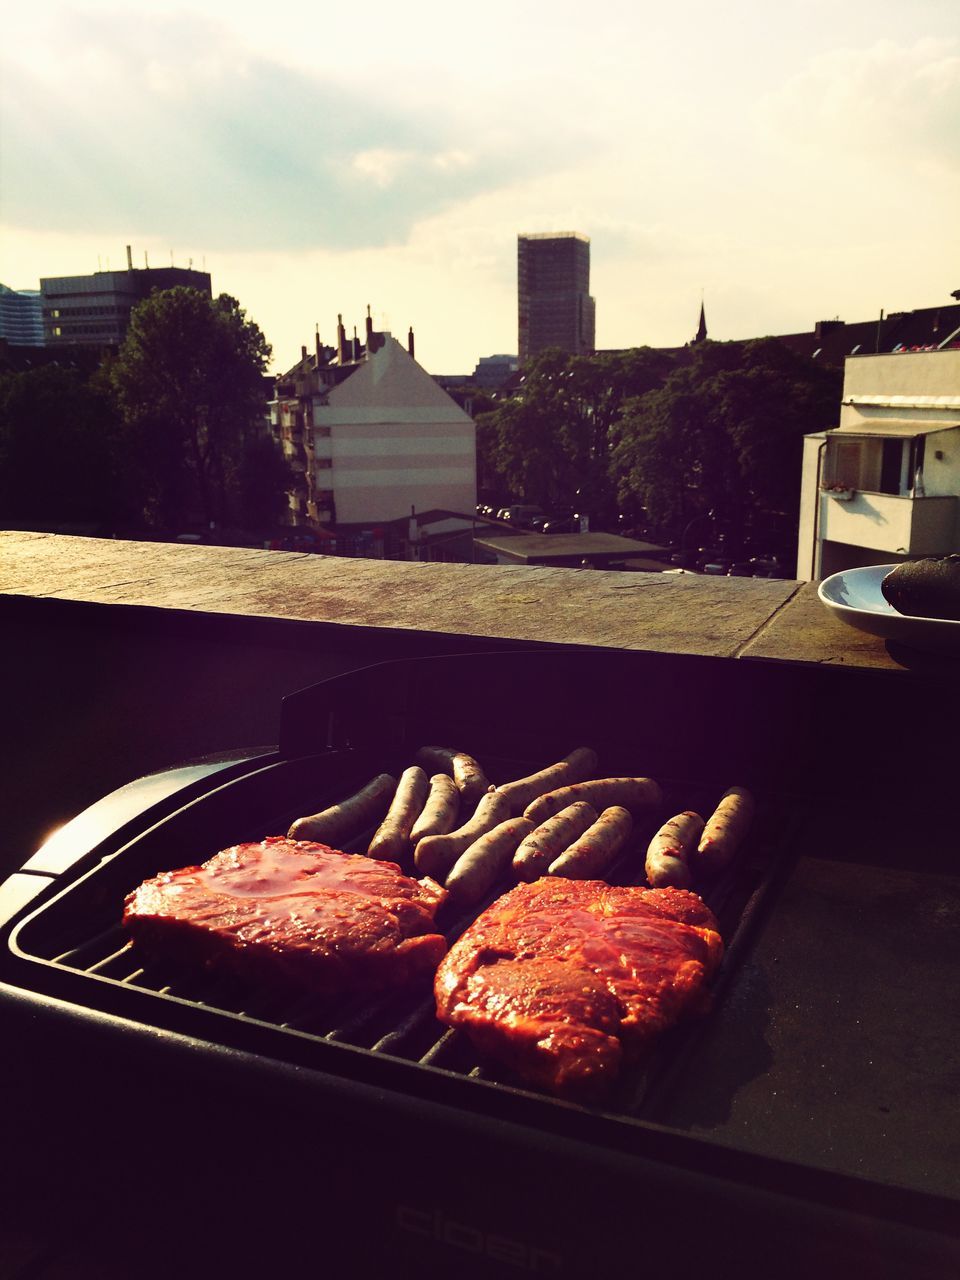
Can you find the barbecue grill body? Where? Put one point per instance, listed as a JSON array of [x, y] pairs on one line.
[[368, 1160]]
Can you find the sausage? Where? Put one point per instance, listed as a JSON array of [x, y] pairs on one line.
[[596, 849], [435, 855], [548, 841], [391, 839], [472, 782], [668, 853], [634, 794], [352, 816], [726, 828], [440, 810], [576, 767], [480, 866]]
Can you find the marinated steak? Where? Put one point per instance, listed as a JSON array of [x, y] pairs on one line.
[[561, 980], [292, 916]]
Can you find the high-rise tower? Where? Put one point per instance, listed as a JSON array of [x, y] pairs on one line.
[[553, 292]]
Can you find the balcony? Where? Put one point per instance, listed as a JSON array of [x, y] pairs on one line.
[[888, 522]]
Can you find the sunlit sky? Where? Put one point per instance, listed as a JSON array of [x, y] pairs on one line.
[[788, 161]]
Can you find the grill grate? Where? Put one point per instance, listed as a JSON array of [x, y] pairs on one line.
[[404, 1026]]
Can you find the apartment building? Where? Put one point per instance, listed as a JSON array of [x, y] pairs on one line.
[[884, 486], [371, 436]]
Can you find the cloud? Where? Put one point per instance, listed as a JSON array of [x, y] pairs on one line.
[[901, 101], [173, 129]]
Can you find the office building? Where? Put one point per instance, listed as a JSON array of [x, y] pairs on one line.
[[553, 291], [21, 317], [95, 309]]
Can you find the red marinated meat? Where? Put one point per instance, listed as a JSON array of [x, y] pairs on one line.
[[292, 916], [561, 980]]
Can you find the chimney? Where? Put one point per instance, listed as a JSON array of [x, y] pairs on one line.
[[410, 341], [341, 340], [356, 344], [303, 354], [129, 259], [369, 328], [317, 347]]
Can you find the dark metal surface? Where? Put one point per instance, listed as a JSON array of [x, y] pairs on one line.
[[769, 1113]]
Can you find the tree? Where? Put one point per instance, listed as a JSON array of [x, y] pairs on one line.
[[550, 442], [724, 434], [62, 451], [189, 382]]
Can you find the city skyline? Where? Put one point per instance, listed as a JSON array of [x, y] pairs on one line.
[[787, 167]]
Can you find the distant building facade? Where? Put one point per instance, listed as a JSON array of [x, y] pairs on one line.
[[555, 308], [370, 435], [95, 309], [884, 486], [923, 329], [492, 372], [21, 317]]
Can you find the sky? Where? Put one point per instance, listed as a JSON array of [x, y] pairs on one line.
[[784, 162]]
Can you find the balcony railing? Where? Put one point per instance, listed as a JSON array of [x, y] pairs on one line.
[[889, 522]]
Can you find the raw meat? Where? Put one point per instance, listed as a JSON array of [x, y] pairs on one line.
[[561, 980], [292, 916]]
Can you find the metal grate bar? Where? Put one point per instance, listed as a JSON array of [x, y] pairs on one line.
[[405, 1025]]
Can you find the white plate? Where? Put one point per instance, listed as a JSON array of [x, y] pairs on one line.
[[856, 598]]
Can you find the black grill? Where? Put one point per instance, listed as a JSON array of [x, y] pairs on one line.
[[403, 1025], [434, 1153]]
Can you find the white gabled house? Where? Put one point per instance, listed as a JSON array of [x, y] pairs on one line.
[[884, 486], [372, 436]]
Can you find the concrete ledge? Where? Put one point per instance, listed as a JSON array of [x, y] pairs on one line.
[[680, 614], [677, 614]]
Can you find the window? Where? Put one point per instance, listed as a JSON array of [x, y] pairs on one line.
[[874, 465]]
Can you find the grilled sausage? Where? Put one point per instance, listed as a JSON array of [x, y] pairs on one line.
[[342, 822], [391, 839], [576, 767], [548, 841], [440, 810], [635, 794], [472, 782], [435, 855], [596, 849], [480, 866], [668, 854], [726, 828]]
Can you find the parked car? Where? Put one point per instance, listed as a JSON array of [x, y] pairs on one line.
[[522, 514], [685, 559], [562, 524]]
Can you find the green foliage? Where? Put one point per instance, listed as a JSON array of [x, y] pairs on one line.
[[550, 443], [263, 481], [715, 427], [724, 434], [188, 381], [62, 453]]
